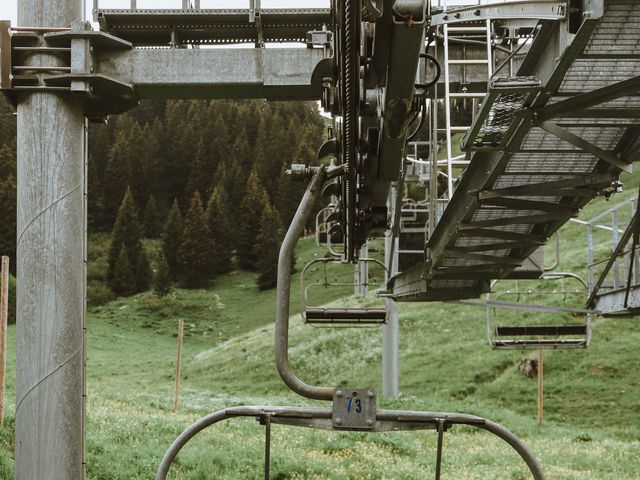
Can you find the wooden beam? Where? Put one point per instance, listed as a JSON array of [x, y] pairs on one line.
[[540, 386], [176, 393], [564, 134], [4, 315]]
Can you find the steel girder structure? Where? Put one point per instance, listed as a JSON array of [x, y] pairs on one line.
[[528, 175], [362, 64]]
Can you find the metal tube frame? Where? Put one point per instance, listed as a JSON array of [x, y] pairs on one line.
[[305, 289], [386, 420], [283, 292]]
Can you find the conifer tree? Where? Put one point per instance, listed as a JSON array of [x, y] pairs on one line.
[[172, 236], [152, 219], [197, 250], [229, 175], [267, 247], [142, 271], [123, 170], [123, 281], [127, 235], [162, 277], [198, 174], [240, 152], [251, 209], [222, 228]]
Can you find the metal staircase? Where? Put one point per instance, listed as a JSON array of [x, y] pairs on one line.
[[544, 143]]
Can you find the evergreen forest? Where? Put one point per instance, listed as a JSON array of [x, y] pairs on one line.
[[182, 191]]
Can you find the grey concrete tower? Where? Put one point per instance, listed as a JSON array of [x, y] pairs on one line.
[[51, 268]]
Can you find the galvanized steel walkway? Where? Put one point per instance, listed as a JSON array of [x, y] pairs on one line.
[[543, 145]]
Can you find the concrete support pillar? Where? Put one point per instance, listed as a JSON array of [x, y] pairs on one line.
[[51, 149], [391, 330]]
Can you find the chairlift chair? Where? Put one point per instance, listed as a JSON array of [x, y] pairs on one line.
[[328, 230], [535, 337], [338, 316], [538, 336]]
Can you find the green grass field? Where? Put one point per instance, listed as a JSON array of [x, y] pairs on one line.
[[592, 397]]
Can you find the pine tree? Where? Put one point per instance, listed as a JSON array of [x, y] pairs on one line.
[[123, 281], [127, 236], [229, 175], [197, 249], [198, 174], [162, 277], [142, 271], [123, 167], [171, 237], [222, 228], [267, 247], [240, 152], [251, 208], [152, 219]]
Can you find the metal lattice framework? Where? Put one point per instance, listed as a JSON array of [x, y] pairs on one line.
[[554, 120]]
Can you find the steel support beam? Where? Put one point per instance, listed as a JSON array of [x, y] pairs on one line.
[[589, 99], [361, 273], [546, 188], [521, 204], [518, 10], [520, 220], [391, 329], [274, 74], [406, 43], [51, 148], [527, 238], [564, 134]]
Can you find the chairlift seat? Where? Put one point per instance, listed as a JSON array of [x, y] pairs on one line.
[[553, 334], [345, 316], [547, 343], [540, 330]]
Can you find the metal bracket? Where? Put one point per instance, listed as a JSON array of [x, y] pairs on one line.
[[320, 38], [537, 9], [354, 408], [75, 47], [371, 11]]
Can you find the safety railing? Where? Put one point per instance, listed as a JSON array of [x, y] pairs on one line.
[[605, 228]]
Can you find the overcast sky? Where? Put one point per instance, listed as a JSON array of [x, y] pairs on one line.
[[8, 8]]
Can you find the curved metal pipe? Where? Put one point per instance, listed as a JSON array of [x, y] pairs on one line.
[[283, 292], [392, 417]]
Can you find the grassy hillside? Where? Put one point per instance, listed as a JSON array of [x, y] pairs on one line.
[[592, 428]]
